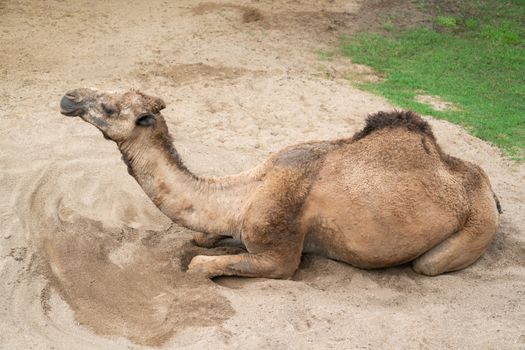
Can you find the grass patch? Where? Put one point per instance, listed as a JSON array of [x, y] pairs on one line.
[[475, 60], [446, 21], [388, 26]]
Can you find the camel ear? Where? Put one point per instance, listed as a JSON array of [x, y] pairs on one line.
[[157, 105]]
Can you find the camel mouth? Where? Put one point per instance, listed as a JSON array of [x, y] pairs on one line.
[[70, 108], [69, 113]]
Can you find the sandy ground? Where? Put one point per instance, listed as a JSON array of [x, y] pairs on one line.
[[88, 262]]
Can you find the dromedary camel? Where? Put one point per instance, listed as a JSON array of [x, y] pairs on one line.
[[386, 196]]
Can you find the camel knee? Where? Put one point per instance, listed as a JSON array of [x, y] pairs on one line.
[[283, 271], [284, 263]]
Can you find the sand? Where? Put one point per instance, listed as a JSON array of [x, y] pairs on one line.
[[88, 262]]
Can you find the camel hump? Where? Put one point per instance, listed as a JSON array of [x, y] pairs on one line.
[[405, 119]]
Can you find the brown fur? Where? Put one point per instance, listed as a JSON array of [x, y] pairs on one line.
[[472, 174], [386, 196]]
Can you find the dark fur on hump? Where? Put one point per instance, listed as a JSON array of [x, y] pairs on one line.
[[405, 119]]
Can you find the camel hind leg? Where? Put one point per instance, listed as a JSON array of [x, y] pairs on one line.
[[462, 248]]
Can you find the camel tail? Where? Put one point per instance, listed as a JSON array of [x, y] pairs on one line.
[[498, 205]]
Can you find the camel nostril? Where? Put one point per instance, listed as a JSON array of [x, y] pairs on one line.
[[73, 95]]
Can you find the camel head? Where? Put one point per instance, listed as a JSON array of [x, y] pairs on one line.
[[120, 116]]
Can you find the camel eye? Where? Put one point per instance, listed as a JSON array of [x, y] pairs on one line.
[[108, 110], [146, 120]]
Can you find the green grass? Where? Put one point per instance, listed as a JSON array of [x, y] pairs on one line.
[[446, 21], [475, 60]]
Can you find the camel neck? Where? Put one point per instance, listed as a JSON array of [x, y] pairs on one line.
[[210, 205]]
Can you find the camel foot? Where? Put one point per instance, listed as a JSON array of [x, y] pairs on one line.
[[203, 266]]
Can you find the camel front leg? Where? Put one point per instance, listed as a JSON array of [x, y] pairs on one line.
[[246, 265], [269, 231]]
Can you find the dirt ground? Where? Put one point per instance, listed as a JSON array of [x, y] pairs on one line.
[[88, 262]]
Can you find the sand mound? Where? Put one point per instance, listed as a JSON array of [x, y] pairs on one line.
[[118, 280], [87, 261]]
